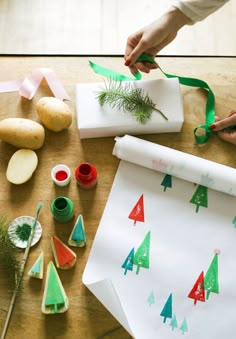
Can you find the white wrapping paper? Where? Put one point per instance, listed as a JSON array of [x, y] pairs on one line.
[[95, 121], [181, 165], [164, 298]]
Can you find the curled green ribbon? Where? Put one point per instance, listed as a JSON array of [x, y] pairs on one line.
[[210, 104]]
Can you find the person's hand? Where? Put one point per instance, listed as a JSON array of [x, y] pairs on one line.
[[152, 38], [220, 126]]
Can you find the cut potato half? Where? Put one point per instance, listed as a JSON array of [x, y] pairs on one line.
[[21, 166]]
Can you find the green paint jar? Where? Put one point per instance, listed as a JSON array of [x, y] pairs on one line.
[[62, 209]]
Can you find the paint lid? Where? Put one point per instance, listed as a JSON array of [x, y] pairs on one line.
[[61, 175]]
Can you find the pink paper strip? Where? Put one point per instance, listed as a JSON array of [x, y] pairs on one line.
[[28, 86]]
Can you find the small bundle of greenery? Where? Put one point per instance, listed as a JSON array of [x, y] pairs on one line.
[[9, 263], [127, 98]]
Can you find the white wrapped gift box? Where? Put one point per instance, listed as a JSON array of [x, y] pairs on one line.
[[95, 121]]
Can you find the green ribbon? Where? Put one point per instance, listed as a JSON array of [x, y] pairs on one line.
[[112, 74], [210, 104]]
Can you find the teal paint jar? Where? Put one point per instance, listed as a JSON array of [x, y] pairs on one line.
[[62, 209]]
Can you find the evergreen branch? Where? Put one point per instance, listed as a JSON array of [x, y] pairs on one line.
[[129, 99], [9, 262]]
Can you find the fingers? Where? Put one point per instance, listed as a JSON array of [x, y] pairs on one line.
[[220, 126], [229, 136], [224, 123]]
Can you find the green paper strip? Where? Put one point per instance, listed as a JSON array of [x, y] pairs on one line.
[[210, 104]]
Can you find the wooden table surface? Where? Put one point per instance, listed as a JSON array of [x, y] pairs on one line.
[[86, 317]]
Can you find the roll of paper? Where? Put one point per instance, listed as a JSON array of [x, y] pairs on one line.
[[179, 164]]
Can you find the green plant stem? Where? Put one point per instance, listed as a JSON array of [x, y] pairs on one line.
[[124, 97]]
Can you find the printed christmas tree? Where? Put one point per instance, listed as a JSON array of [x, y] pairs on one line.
[[64, 257], [200, 197], [211, 283], [54, 296], [167, 181], [151, 298], [183, 327], [36, 270], [173, 323], [129, 262], [137, 213], [234, 221], [141, 257], [167, 309], [77, 237], [197, 292]]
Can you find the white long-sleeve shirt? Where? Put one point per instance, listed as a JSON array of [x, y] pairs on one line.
[[198, 10]]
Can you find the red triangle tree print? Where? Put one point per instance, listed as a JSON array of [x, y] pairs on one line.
[[137, 213], [64, 255], [197, 292]]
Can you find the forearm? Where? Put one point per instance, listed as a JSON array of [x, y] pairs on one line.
[[198, 10]]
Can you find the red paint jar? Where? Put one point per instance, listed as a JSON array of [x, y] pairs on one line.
[[86, 175]]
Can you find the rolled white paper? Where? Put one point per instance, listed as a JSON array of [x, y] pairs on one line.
[[179, 164]]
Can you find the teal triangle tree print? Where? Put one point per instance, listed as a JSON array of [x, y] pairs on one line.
[[183, 327], [137, 213], [151, 299], [167, 309], [173, 323], [141, 257], [211, 283], [78, 234], [167, 181], [129, 262], [200, 197]]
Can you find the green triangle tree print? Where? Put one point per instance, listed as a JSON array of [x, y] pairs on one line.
[[129, 262], [54, 295], [200, 197], [211, 283], [173, 323], [234, 221], [167, 181], [137, 213], [183, 327], [141, 257], [167, 309]]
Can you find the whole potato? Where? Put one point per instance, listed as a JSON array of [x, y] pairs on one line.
[[54, 113], [22, 133]]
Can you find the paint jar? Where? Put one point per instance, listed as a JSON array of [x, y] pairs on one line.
[[62, 209], [61, 175], [86, 175]]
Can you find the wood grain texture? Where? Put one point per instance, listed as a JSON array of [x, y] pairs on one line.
[[102, 27], [86, 317]]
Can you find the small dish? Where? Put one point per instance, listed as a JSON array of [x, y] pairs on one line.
[[15, 226]]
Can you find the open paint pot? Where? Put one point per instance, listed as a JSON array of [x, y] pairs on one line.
[[86, 175], [61, 175]]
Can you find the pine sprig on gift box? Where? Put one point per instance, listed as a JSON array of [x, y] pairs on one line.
[[127, 98], [9, 263]]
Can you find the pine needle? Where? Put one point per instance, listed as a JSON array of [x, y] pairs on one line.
[[9, 262], [124, 97]]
